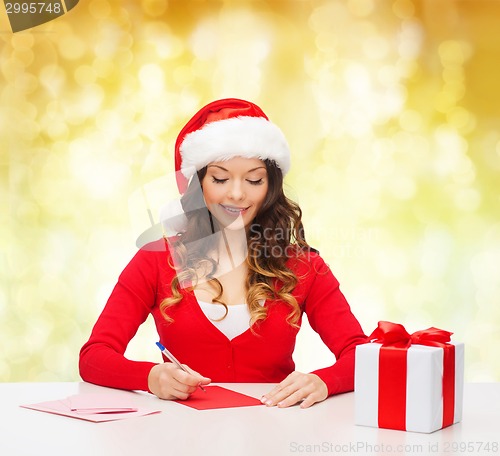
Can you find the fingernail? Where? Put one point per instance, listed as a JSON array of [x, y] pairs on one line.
[[266, 401]]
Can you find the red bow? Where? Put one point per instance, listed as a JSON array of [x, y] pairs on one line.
[[394, 334]]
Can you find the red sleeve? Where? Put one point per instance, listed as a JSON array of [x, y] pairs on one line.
[[102, 358], [330, 316]]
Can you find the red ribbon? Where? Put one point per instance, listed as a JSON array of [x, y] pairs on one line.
[[395, 342]]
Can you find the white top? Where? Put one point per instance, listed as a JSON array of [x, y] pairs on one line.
[[236, 322]]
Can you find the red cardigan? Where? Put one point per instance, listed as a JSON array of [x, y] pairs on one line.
[[261, 356]]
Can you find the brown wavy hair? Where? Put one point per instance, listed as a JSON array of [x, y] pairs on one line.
[[275, 235]]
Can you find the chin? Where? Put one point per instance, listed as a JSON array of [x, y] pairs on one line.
[[233, 224], [236, 226]]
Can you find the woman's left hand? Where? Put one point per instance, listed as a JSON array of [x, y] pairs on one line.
[[297, 387]]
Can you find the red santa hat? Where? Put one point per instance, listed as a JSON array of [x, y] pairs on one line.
[[225, 129]]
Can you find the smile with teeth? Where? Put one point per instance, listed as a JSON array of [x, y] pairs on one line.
[[234, 210]]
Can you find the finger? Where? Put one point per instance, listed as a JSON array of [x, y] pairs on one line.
[[201, 379], [182, 392], [282, 390], [288, 381], [172, 383], [279, 394], [302, 389], [306, 396], [291, 399], [192, 379], [308, 401], [177, 389]]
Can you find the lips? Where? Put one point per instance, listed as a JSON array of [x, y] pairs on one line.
[[234, 210]]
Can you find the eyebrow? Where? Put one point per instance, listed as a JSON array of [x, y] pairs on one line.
[[249, 171]]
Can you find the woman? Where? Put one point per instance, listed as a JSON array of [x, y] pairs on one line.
[[228, 292]]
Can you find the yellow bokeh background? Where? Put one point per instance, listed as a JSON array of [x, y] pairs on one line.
[[391, 112]]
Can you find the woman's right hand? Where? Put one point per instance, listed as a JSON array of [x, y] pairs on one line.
[[167, 381]]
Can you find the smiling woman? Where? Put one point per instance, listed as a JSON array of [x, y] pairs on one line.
[[235, 190], [230, 263]]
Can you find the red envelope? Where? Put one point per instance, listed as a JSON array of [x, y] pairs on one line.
[[218, 397]]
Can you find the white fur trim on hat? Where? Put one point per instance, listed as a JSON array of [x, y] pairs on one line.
[[245, 136]]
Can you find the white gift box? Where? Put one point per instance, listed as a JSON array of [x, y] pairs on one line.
[[424, 386]]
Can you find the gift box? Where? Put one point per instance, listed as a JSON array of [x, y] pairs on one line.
[[411, 382]]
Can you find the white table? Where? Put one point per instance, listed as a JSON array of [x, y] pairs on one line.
[[325, 428]]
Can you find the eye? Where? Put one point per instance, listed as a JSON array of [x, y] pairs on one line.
[[218, 181], [255, 182]]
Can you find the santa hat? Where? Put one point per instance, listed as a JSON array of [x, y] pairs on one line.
[[225, 129]]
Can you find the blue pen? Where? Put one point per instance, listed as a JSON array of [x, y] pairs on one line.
[[174, 360]]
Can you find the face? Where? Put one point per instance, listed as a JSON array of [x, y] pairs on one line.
[[234, 190]]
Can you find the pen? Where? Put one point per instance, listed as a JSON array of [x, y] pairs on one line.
[[174, 360]]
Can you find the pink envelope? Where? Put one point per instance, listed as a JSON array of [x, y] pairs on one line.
[[92, 407], [99, 403]]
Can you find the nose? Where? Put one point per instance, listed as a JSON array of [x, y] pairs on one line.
[[236, 191]]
